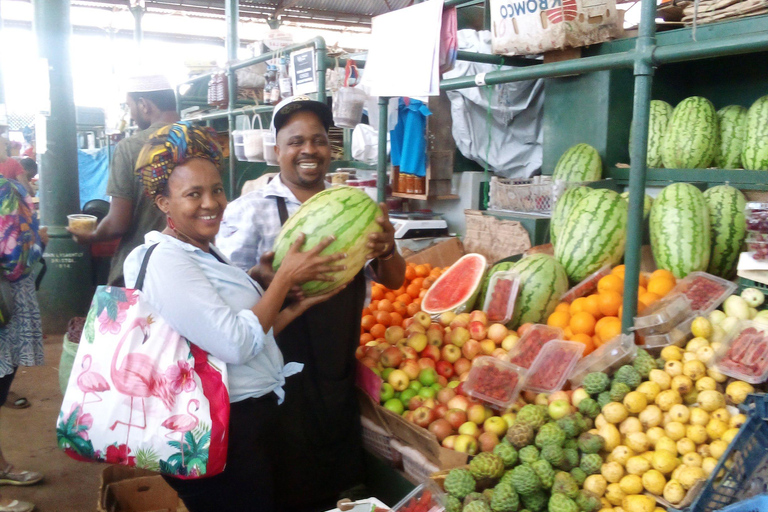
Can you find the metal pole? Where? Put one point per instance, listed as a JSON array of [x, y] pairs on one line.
[[488, 58], [382, 164], [66, 290], [320, 55], [640, 116], [232, 15], [137, 9]]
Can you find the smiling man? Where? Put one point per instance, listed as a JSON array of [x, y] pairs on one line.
[[319, 450]]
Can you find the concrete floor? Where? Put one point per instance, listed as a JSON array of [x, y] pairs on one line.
[[28, 441]]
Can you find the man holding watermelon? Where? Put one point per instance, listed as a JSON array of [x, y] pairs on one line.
[[319, 454]]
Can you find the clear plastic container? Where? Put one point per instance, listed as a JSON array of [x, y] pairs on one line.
[[705, 291], [757, 245], [586, 286], [757, 217], [553, 366], [270, 142], [501, 296], [427, 497], [744, 353], [661, 316], [237, 137], [348, 104], [619, 351], [527, 347], [677, 336], [495, 381], [82, 222]]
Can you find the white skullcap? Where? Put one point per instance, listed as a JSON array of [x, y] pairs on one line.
[[147, 83]]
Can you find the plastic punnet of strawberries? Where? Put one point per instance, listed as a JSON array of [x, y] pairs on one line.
[[496, 383], [423, 503], [748, 353], [701, 292], [528, 347], [500, 297], [550, 371]]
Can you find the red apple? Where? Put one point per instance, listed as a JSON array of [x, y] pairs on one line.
[[471, 349], [460, 320], [458, 402], [409, 353], [407, 323], [477, 330], [435, 336], [476, 414], [373, 353], [394, 333], [449, 441], [423, 416], [460, 391], [450, 353], [441, 428], [445, 369], [408, 416], [440, 410], [415, 402], [497, 332], [425, 362], [360, 352], [444, 395], [442, 381], [432, 352], [462, 365], [411, 368], [478, 316], [392, 357], [487, 441], [456, 417], [370, 363], [383, 345]]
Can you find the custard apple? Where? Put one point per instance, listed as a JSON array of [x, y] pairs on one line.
[[545, 472], [628, 375], [536, 502], [452, 503], [550, 434], [660, 362], [508, 454], [618, 391], [459, 482], [506, 478], [525, 480], [529, 454], [604, 398], [504, 499], [474, 496], [565, 483], [589, 408], [595, 383], [553, 454], [486, 465], [591, 443], [579, 475], [520, 435], [570, 426], [571, 443], [570, 459], [532, 415], [488, 493], [559, 502], [477, 506], [644, 365], [591, 463], [588, 501]]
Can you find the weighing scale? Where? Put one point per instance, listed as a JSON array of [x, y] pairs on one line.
[[418, 225]]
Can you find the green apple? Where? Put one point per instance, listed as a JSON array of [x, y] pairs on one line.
[[436, 386], [469, 428], [394, 405], [387, 392], [415, 385], [428, 376], [427, 392], [385, 373], [454, 384], [406, 395], [496, 424]]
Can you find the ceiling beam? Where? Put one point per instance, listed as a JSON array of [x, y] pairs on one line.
[[282, 5]]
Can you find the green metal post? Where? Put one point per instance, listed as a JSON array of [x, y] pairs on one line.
[[66, 290], [382, 164], [137, 9], [321, 54], [643, 80], [232, 13]]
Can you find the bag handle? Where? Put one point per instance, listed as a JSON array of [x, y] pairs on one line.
[[143, 270], [261, 125], [350, 71]]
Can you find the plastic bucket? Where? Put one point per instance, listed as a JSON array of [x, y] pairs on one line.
[[269, 148], [348, 104], [68, 353]]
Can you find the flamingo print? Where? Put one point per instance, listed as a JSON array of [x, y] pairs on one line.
[[137, 377], [90, 382], [182, 423]]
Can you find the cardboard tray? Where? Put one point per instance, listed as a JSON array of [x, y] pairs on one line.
[[136, 490]]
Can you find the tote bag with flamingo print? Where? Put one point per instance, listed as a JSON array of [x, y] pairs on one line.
[[141, 395]]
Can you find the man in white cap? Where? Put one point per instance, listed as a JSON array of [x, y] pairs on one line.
[[152, 103]]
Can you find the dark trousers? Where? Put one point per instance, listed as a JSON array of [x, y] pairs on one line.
[[5, 385], [246, 484]]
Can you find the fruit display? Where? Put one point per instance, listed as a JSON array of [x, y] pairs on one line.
[[587, 286], [553, 366], [647, 203], [691, 139], [755, 153], [542, 282], [728, 228], [494, 381], [745, 354], [594, 234], [457, 288], [757, 217], [424, 498], [499, 267], [579, 163], [704, 291], [658, 120], [732, 121], [563, 207], [534, 338], [501, 297]]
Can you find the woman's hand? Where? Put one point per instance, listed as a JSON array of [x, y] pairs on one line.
[[299, 267]]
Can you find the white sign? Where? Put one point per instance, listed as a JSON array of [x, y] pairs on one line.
[[303, 71]]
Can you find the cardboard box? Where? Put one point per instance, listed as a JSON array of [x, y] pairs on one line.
[[494, 238], [125, 488], [527, 27], [444, 253]]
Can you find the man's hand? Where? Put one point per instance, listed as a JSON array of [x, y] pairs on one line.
[[382, 244], [263, 274], [81, 238]]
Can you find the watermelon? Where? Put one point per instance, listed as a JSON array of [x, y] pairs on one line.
[[457, 288], [679, 226], [594, 234], [542, 282], [728, 228], [755, 153], [579, 163], [733, 122], [660, 113], [692, 136], [499, 267], [647, 203], [563, 206], [347, 213]]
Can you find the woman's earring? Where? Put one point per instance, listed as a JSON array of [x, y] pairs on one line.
[[170, 224]]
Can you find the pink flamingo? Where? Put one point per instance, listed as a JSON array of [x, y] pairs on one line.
[[183, 423], [138, 378], [90, 382]]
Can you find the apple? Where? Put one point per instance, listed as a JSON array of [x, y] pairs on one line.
[[509, 341], [417, 341], [557, 395], [445, 395], [530, 397], [501, 354], [476, 414], [456, 417], [446, 318], [407, 323], [372, 343], [578, 395], [458, 402], [450, 353], [432, 352], [459, 336], [524, 329], [427, 392], [454, 382], [435, 338], [423, 416], [415, 402], [541, 399], [394, 333], [442, 381], [460, 391], [441, 428], [444, 369], [360, 352], [426, 363], [408, 416], [394, 405], [385, 373], [497, 332], [406, 395], [415, 328], [487, 441], [509, 419], [383, 345], [373, 353], [430, 402], [411, 368], [370, 363], [449, 442], [392, 357], [409, 352], [423, 318], [496, 424], [559, 409], [460, 320], [462, 365], [471, 349], [477, 330], [487, 347], [428, 376], [470, 428], [386, 392], [440, 410]]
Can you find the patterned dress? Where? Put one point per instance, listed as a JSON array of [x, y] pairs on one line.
[[21, 341]]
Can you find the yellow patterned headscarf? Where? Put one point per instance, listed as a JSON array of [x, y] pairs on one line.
[[170, 146]]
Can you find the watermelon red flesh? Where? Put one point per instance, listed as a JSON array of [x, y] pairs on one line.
[[457, 287]]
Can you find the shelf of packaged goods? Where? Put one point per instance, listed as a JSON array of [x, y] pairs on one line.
[[424, 197], [739, 178]]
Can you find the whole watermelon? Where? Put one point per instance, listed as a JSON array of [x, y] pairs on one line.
[[658, 119], [347, 213], [542, 282], [563, 206], [499, 267], [728, 227], [755, 153], [579, 163], [593, 235], [647, 203], [679, 226], [692, 136], [733, 123]]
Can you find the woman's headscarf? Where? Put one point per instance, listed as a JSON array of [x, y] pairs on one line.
[[170, 146], [20, 243]]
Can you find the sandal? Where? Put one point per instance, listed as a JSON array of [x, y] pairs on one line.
[[10, 477], [17, 506], [15, 401]]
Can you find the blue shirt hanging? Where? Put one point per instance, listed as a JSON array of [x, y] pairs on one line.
[[408, 139]]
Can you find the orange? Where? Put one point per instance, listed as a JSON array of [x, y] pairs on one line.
[[383, 318], [366, 311], [417, 301], [641, 290], [435, 272], [611, 282], [582, 323], [422, 293], [368, 321], [564, 306], [429, 281], [413, 290], [661, 285], [421, 271], [648, 298], [640, 307], [386, 305], [377, 293], [644, 277], [397, 318], [404, 298], [559, 319], [586, 339], [412, 309], [400, 307], [365, 338], [567, 333], [662, 273], [592, 305], [417, 281], [373, 306], [378, 330], [609, 302], [618, 271], [608, 328], [577, 305], [597, 341], [390, 296], [400, 290], [410, 273]]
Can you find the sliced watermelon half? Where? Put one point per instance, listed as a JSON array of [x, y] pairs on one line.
[[456, 289]]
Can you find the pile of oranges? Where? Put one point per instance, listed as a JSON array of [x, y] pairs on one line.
[[596, 319], [395, 307]]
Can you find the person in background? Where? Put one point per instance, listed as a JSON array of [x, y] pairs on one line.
[[10, 168], [216, 306], [320, 449], [29, 137], [21, 339], [30, 171], [152, 103]]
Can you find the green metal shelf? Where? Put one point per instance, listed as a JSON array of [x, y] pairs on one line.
[[739, 178]]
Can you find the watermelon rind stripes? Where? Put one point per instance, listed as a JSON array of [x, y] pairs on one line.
[[542, 282], [659, 116], [347, 213], [728, 227], [647, 202], [563, 206], [754, 156], [733, 123], [679, 228], [499, 267], [594, 234], [579, 163], [692, 136]]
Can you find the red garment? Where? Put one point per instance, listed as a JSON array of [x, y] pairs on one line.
[[11, 169], [29, 152]]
